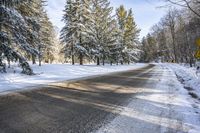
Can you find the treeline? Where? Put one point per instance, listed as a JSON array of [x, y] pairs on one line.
[[26, 34], [173, 38], [92, 32]]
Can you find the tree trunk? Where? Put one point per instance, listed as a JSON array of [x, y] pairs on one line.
[[81, 55], [33, 59], [40, 57], [8, 62], [40, 62], [98, 61], [81, 59], [73, 61], [103, 62], [174, 49], [190, 62], [65, 61], [172, 28]]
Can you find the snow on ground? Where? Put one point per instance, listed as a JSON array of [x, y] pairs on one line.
[[47, 73], [188, 77], [164, 106]]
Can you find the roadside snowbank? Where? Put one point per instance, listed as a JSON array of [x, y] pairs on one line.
[[187, 75], [14, 81], [164, 106]]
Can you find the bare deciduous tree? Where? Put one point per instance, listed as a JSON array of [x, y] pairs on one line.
[[175, 37], [192, 5]]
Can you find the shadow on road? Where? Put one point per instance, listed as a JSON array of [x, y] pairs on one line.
[[84, 106]]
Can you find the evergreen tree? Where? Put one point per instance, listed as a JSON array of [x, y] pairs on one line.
[[102, 30], [121, 17], [23, 24], [131, 39], [128, 37], [13, 34], [115, 48], [67, 32], [47, 39], [41, 29], [31, 14], [90, 30], [75, 32]]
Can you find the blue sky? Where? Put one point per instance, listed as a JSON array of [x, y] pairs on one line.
[[146, 12]]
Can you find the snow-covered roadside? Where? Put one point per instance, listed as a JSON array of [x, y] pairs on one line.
[[187, 75], [164, 106], [48, 73]]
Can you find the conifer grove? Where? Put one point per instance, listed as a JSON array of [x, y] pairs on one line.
[[93, 32]]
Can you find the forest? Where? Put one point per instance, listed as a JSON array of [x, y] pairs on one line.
[[26, 34], [92, 33], [173, 39]]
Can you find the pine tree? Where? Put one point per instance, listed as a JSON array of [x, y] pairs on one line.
[[31, 14], [13, 34], [90, 30], [74, 34], [128, 37], [121, 17], [102, 29], [131, 39], [46, 35], [115, 47], [23, 24], [68, 31]]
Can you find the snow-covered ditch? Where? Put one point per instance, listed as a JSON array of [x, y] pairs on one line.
[[47, 73], [187, 75]]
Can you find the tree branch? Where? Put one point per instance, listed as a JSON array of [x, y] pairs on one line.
[[187, 5]]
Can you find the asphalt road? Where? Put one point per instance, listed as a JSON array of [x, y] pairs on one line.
[[71, 107]]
